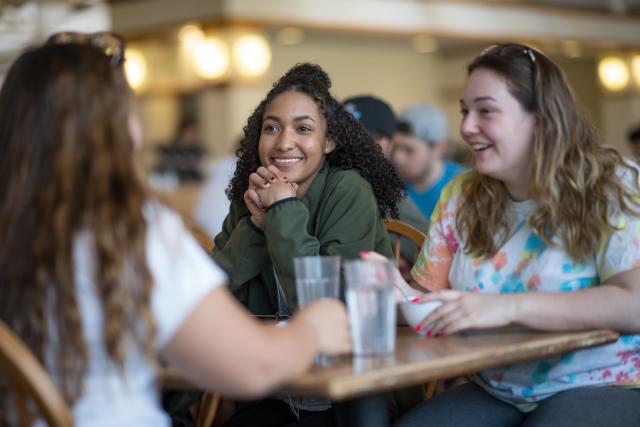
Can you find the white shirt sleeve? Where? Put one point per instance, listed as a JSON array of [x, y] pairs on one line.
[[182, 272]]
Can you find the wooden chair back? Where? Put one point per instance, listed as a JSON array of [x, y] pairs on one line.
[[28, 381], [203, 238], [398, 230]]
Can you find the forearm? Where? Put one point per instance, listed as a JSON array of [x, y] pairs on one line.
[[287, 351], [286, 232], [287, 238], [606, 306], [245, 360], [243, 256]]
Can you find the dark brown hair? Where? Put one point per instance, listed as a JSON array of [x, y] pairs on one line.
[[66, 169]]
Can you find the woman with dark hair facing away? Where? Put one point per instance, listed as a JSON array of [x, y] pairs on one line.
[[543, 232], [309, 181], [99, 279]]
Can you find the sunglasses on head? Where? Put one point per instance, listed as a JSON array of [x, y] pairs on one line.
[[510, 50], [110, 44]]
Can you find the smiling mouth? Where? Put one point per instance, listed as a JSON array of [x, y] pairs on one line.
[[286, 161], [480, 147]]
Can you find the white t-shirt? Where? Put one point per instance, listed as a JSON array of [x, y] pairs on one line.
[[183, 275]]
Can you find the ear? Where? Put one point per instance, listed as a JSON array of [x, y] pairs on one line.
[[329, 146], [439, 149]]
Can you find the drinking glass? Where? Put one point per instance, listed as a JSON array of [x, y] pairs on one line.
[[371, 306]]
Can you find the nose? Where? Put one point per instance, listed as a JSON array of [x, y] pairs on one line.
[[285, 140], [468, 126]]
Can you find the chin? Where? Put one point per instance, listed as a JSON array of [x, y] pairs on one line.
[[486, 171]]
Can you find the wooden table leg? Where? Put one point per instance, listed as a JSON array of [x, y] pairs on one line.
[[367, 411]]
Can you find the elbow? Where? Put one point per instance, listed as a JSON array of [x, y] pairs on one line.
[[630, 326], [252, 387], [259, 381]]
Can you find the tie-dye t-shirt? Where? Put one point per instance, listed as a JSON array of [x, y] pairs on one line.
[[526, 264]]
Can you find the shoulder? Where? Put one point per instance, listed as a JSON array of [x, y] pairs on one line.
[[453, 189], [629, 175], [161, 219], [450, 197], [346, 179]]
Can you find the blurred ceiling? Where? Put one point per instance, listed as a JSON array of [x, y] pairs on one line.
[[613, 6], [604, 23], [610, 6]]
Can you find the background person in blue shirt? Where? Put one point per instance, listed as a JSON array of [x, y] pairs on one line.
[[418, 155]]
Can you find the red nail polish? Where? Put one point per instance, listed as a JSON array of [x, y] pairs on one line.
[[418, 328], [415, 299], [442, 333], [364, 254], [429, 333]]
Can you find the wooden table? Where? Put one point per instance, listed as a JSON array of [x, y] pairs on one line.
[[418, 360], [358, 384]]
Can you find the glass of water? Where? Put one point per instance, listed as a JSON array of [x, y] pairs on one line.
[[317, 277], [371, 306]]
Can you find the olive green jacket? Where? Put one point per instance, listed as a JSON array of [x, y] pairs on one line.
[[337, 216]]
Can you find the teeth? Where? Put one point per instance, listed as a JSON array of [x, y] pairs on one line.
[[478, 147], [293, 160]]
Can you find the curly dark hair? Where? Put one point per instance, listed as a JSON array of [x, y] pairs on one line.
[[355, 148]]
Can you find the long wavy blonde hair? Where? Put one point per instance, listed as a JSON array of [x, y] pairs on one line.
[[66, 166], [575, 180]]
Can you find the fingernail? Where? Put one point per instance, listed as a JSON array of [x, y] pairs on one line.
[[442, 333], [429, 333], [415, 299], [364, 254], [418, 328]]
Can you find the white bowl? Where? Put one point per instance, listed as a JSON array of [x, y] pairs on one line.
[[416, 312]]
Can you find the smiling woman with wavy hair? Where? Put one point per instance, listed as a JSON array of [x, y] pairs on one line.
[[543, 233], [574, 179]]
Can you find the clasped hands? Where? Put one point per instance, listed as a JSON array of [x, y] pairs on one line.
[[267, 185]]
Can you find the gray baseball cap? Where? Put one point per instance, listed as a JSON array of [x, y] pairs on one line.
[[426, 122]]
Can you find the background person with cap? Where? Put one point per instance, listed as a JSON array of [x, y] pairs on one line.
[[380, 121], [377, 117], [418, 155]]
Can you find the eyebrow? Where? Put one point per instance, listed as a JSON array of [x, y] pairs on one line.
[[480, 98], [295, 119]]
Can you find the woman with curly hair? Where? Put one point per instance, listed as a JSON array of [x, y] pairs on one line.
[[544, 233], [309, 181], [89, 277]]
